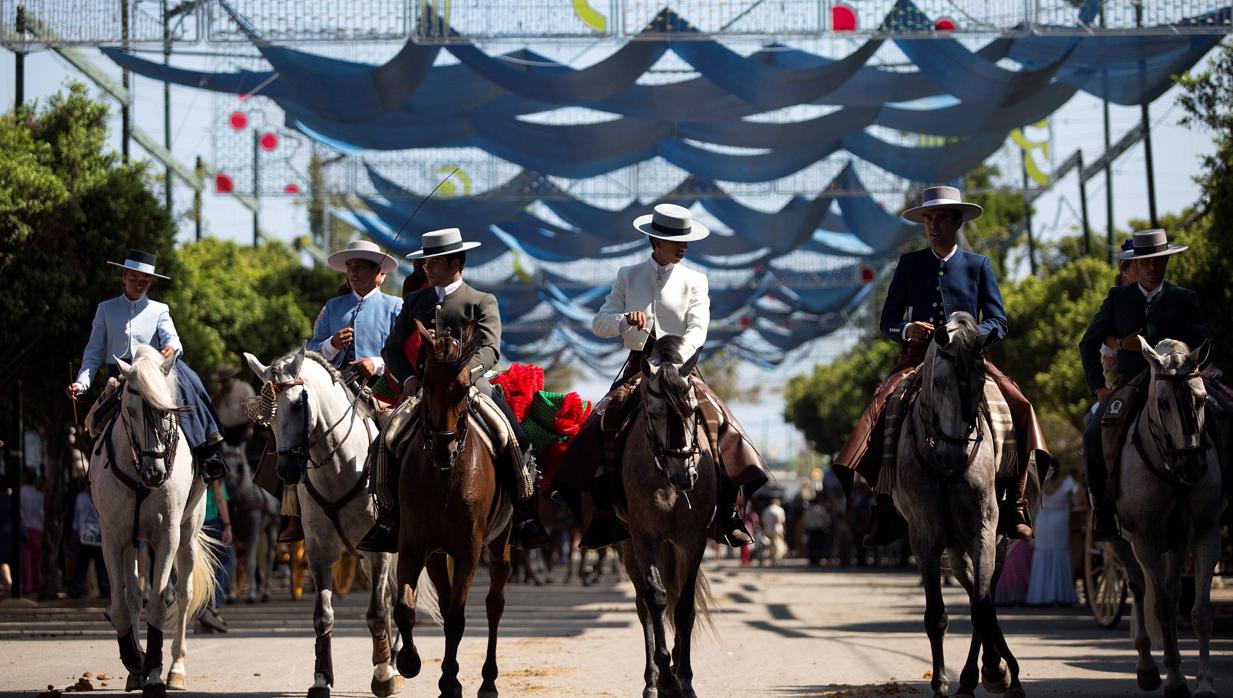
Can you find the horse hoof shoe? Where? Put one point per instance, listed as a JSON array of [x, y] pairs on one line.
[[393, 685], [319, 692], [1149, 679], [177, 682], [154, 690]]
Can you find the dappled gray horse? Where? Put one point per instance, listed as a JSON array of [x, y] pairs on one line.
[[254, 519], [948, 460], [1168, 503], [669, 479], [323, 435]]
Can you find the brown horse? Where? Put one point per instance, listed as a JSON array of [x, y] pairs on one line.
[[452, 508], [669, 480]]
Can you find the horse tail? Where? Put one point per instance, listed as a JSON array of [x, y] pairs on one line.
[[203, 583], [674, 572]]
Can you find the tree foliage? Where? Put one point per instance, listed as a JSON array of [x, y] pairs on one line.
[[826, 403]]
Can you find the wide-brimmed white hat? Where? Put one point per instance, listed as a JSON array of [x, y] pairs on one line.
[[361, 249], [1150, 243], [671, 222], [946, 198], [140, 261], [435, 243]]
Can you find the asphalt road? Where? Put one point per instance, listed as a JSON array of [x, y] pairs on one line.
[[790, 631]]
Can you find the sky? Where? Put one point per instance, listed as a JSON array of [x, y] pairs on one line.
[[1178, 151]]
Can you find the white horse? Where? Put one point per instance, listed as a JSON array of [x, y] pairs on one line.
[[144, 487], [1168, 503], [323, 435], [254, 519]]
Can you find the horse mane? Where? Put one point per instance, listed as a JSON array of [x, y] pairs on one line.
[[466, 352], [667, 354], [147, 378], [281, 362]]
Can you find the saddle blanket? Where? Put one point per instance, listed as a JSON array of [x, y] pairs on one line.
[[494, 430]]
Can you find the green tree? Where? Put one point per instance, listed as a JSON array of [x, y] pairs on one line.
[[66, 207], [825, 404]]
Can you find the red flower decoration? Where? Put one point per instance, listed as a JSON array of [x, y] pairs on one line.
[[291, 189], [945, 24], [520, 383], [843, 18], [238, 120], [223, 184]]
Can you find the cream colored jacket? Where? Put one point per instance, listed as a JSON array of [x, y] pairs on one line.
[[676, 300]]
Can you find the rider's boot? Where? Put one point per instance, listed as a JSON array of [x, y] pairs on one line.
[[729, 524], [383, 536], [887, 525], [210, 456], [529, 532], [292, 530], [605, 528]]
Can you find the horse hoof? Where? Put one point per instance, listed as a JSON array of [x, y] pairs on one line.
[[995, 679], [1149, 679], [408, 662], [319, 692], [487, 693], [1179, 690], [177, 681], [389, 687], [135, 682], [154, 690], [942, 690]]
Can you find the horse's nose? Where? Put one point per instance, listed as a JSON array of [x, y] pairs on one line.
[[951, 456], [290, 469], [152, 475], [1192, 467]]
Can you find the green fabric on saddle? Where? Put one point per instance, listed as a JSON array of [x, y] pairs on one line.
[[539, 436], [544, 408]]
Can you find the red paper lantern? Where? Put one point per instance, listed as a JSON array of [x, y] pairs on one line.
[[291, 189], [238, 120], [843, 18], [867, 274], [945, 24], [223, 184], [268, 141]]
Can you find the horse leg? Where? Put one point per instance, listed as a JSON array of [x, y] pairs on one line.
[[1162, 592], [994, 671], [186, 560], [158, 610], [454, 615], [650, 673], [125, 603], [385, 680], [498, 570], [649, 576], [1206, 555], [685, 614], [321, 559], [1147, 674], [410, 564], [928, 560]]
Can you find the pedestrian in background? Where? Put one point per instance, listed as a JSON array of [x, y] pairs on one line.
[[32, 538]]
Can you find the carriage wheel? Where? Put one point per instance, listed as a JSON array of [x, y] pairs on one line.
[[344, 573], [299, 566], [1104, 582]]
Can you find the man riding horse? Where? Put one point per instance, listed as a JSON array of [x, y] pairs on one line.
[[1152, 309], [450, 305], [927, 287], [650, 299], [124, 323], [349, 332]]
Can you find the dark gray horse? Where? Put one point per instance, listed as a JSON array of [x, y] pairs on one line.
[[1169, 505], [254, 520], [948, 461], [669, 480]]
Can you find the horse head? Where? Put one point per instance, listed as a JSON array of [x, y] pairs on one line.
[[294, 412], [670, 408], [1176, 406], [953, 385], [446, 381], [150, 413]]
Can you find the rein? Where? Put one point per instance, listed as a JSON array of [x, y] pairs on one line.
[[932, 437], [659, 452], [1163, 443]]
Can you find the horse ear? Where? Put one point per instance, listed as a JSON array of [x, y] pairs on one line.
[[1150, 354], [1200, 355], [691, 363], [941, 335], [648, 369], [254, 364], [298, 362], [125, 367]]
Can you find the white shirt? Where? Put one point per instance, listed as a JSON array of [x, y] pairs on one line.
[[676, 301], [950, 254], [443, 291], [1150, 295], [120, 326]]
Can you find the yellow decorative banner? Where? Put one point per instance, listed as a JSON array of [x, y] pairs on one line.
[[1028, 146], [590, 16]]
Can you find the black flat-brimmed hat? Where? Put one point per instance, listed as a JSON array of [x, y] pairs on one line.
[[943, 198], [1150, 243], [671, 222], [140, 261], [440, 242]]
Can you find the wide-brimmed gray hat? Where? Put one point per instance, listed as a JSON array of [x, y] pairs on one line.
[[1150, 243], [934, 198], [140, 261], [361, 249], [435, 243], [671, 222]]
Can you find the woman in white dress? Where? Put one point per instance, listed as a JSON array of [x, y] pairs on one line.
[[1052, 581]]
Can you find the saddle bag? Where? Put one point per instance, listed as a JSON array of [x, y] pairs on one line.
[[1114, 421]]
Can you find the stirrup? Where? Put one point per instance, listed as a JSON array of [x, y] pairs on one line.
[[604, 531], [381, 538]]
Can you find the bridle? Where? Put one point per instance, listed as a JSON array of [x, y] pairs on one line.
[[1160, 438], [158, 426], [455, 440], [659, 452], [934, 433], [304, 448]]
